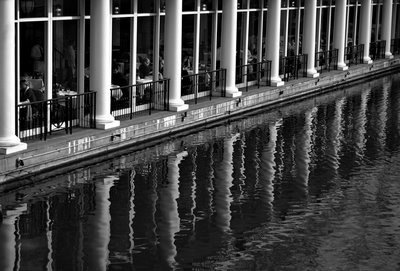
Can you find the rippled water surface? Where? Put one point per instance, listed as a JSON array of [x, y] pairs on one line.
[[310, 186]]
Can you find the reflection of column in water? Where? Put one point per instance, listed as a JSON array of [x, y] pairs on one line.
[[360, 122], [8, 239], [98, 227], [193, 190], [131, 209], [241, 157], [334, 137], [382, 115], [302, 156], [223, 183], [267, 167], [170, 223], [49, 235]]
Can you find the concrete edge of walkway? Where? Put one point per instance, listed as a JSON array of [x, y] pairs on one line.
[[90, 146]]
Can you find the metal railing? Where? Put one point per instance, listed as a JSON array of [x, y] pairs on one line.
[[131, 100], [257, 72], [395, 46], [326, 60], [354, 54], [377, 49], [291, 66], [37, 120], [204, 84]]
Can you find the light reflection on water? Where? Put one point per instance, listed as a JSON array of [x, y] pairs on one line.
[[311, 186]]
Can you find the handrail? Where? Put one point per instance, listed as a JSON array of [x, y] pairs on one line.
[[326, 60], [377, 49], [203, 84], [42, 118], [127, 101], [354, 54], [254, 72], [291, 66]]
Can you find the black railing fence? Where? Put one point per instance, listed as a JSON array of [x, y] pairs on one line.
[[203, 84], [40, 119], [377, 49], [128, 101], [326, 60], [257, 71], [291, 66], [354, 54], [395, 46]]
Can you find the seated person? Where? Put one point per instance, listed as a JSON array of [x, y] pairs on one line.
[[144, 68], [119, 79]]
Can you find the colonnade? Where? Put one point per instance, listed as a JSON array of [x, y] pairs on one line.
[[100, 55]]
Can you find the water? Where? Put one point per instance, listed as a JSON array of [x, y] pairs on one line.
[[310, 186]]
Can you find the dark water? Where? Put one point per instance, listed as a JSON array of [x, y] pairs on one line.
[[311, 186]]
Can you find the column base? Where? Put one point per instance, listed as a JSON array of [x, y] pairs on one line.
[[312, 74], [343, 68], [178, 108], [107, 125], [13, 149], [277, 83], [367, 60], [388, 55], [234, 94]]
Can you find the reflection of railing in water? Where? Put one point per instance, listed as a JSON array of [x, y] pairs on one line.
[[195, 86], [291, 66], [395, 46], [326, 60], [128, 101], [354, 54], [377, 49], [39, 119], [257, 72]]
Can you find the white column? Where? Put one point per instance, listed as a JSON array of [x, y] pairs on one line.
[[100, 61], [170, 222], [339, 32], [310, 17], [228, 46], [365, 28], [273, 38], [98, 228], [387, 26], [173, 53], [394, 20], [9, 142]]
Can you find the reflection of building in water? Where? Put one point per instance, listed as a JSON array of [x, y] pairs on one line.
[[223, 183], [10, 256], [302, 152], [381, 116], [239, 169], [334, 138], [359, 125], [97, 236], [268, 165], [169, 223]]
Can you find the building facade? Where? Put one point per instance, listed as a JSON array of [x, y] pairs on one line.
[[83, 45]]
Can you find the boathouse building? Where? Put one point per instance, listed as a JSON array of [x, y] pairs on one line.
[[98, 62]]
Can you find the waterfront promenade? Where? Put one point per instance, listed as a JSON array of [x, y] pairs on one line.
[[90, 145]]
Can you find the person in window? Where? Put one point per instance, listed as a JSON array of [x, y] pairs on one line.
[[117, 78], [26, 96], [144, 68], [37, 56]]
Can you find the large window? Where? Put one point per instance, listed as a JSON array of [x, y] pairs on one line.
[[121, 51], [65, 41]]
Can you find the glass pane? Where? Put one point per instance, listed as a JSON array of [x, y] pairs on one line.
[[189, 5], [147, 6], [32, 50], [145, 46], [87, 7], [65, 40], [65, 7], [253, 35], [205, 41], [33, 8], [121, 43], [122, 7], [187, 41]]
